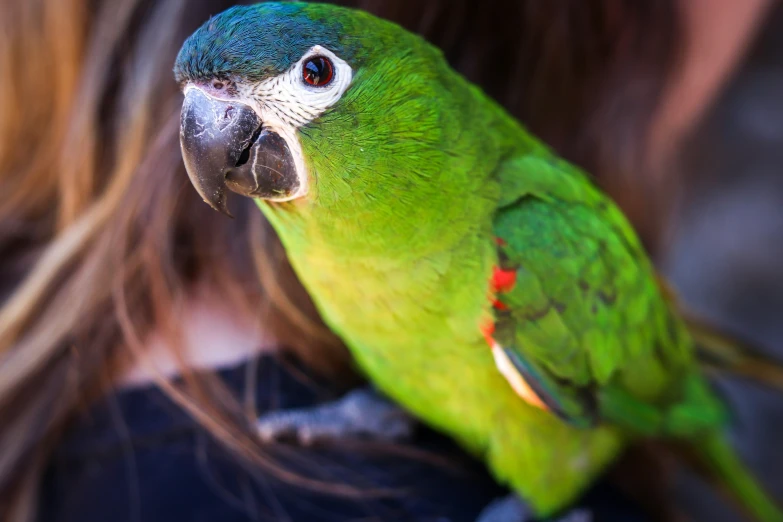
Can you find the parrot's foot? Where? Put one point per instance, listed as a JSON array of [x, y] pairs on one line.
[[506, 509], [359, 414], [577, 515], [512, 509]]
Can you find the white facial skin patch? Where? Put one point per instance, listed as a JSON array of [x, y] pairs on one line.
[[286, 102]]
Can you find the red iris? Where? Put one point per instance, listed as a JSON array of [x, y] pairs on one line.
[[318, 71]]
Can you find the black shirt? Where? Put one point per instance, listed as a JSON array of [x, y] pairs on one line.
[[137, 457]]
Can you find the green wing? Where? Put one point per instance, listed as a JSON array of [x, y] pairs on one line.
[[585, 323]]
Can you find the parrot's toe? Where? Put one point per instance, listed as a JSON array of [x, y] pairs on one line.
[[512, 509], [577, 515], [360, 414], [507, 509]]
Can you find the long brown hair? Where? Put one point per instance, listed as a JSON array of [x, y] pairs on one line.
[[102, 238]]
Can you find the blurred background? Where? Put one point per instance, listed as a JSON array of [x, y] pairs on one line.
[[725, 249]]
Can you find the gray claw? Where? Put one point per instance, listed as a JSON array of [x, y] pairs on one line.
[[577, 515], [507, 509], [361, 413], [512, 509]]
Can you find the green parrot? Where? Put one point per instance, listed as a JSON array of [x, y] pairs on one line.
[[480, 281]]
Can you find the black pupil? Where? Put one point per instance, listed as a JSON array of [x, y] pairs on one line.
[[315, 69]]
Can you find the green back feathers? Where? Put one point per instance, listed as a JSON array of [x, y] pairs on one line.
[[407, 139]]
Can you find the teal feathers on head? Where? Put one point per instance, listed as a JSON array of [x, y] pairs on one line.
[[286, 100], [259, 41]]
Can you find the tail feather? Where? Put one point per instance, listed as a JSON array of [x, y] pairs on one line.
[[723, 353], [720, 352], [727, 468]]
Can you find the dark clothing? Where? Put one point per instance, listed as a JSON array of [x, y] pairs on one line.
[[137, 457]]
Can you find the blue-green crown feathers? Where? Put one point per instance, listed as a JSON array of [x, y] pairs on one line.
[[262, 40]]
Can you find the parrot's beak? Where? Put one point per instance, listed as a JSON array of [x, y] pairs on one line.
[[224, 146]]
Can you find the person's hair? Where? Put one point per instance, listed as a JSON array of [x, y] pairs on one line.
[[102, 237]]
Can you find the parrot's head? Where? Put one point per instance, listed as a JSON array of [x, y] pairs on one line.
[[314, 103]]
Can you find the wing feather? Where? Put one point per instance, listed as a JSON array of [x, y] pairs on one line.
[[586, 315]]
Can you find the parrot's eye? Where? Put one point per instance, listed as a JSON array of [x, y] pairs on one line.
[[318, 71]]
